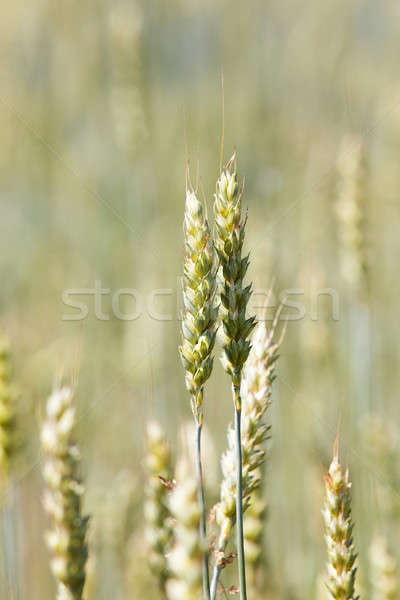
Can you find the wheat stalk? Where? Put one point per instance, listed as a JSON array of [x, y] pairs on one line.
[[156, 510], [338, 531], [198, 332], [258, 377], [383, 570], [63, 496], [229, 237], [185, 559]]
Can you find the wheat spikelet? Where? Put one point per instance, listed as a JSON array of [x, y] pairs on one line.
[[338, 532], [383, 571], [186, 557], [62, 499], [156, 510], [8, 411]]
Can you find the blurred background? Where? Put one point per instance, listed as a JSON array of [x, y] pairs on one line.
[[101, 105]]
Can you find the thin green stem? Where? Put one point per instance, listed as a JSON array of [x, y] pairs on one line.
[[239, 494], [214, 581], [203, 517]]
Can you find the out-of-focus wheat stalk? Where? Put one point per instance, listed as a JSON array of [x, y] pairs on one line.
[[254, 521], [258, 377], [136, 580], [350, 210], [383, 573], [236, 327], [339, 531], [156, 510], [63, 495], [8, 448], [116, 512], [209, 453], [381, 447], [113, 527], [198, 332], [126, 102], [8, 412], [185, 559]]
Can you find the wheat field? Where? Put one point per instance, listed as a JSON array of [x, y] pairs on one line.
[[157, 160]]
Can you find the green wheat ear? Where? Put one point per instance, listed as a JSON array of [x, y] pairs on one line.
[[229, 238], [339, 531], [63, 495]]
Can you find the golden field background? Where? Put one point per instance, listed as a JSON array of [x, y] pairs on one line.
[[98, 103]]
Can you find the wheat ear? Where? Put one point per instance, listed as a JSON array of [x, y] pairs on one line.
[[258, 377], [156, 511], [198, 333], [338, 531], [185, 559], [63, 495]]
